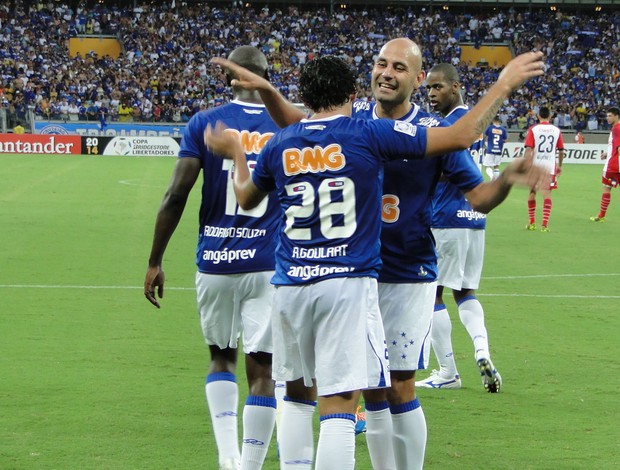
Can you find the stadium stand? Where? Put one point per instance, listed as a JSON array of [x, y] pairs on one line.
[[163, 72]]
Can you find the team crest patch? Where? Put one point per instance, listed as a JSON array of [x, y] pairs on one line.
[[405, 128]]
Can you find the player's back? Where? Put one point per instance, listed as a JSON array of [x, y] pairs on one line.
[[495, 137], [328, 175], [545, 139], [231, 240]]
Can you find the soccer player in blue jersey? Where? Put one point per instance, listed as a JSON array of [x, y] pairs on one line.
[[459, 234], [327, 130], [495, 137], [235, 258]]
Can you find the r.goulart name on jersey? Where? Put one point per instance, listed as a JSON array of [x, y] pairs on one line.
[[233, 232], [320, 252], [470, 215], [306, 273]]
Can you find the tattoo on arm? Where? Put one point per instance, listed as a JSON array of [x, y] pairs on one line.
[[486, 118]]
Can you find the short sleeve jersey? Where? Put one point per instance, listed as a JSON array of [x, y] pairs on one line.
[[450, 207], [328, 177], [231, 240], [407, 244], [546, 140], [495, 137]]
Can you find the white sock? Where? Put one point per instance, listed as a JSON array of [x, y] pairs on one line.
[[472, 317], [279, 392], [409, 435], [336, 448], [259, 417], [296, 435], [223, 401], [495, 173], [379, 436], [441, 341], [489, 172]]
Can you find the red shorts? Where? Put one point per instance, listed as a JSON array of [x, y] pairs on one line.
[[611, 179]]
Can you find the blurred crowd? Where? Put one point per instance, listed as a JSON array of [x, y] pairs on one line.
[[164, 74]]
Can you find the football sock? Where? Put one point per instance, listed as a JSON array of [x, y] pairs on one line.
[[605, 200], [409, 434], [496, 173], [296, 434], [472, 317], [546, 211], [279, 391], [336, 447], [379, 435], [441, 341], [223, 401], [531, 210], [489, 172], [259, 417]]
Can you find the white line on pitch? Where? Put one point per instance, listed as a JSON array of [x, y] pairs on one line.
[[41, 286], [551, 296], [538, 276]]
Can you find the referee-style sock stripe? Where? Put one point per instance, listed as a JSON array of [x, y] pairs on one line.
[[439, 307], [338, 416], [303, 402], [404, 407], [215, 376], [465, 299], [376, 406], [255, 400]]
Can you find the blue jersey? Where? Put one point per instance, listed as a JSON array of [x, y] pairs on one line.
[[495, 137], [231, 240], [407, 244], [450, 207], [328, 176]]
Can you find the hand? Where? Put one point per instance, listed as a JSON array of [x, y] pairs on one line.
[[243, 78], [558, 171], [155, 278], [522, 68], [603, 155], [221, 142], [523, 172]]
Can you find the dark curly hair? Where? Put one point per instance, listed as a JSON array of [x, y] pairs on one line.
[[326, 83]]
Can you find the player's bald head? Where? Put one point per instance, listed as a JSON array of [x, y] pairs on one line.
[[250, 58], [405, 49]]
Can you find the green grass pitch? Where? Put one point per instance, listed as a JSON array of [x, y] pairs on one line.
[[93, 377]]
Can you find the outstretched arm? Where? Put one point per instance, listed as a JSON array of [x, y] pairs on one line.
[[522, 172], [228, 146], [281, 111], [185, 173], [467, 129]]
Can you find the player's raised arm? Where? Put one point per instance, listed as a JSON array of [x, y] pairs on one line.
[[228, 146], [281, 111], [468, 128]]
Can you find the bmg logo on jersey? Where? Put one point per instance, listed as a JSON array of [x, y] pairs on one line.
[[313, 160], [252, 142]]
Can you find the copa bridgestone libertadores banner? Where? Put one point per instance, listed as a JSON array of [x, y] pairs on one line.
[[573, 153]]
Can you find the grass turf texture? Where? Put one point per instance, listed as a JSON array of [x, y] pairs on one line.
[[94, 377]]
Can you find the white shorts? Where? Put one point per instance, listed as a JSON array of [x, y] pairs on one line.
[[331, 331], [231, 303], [491, 159], [460, 256], [407, 312]]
